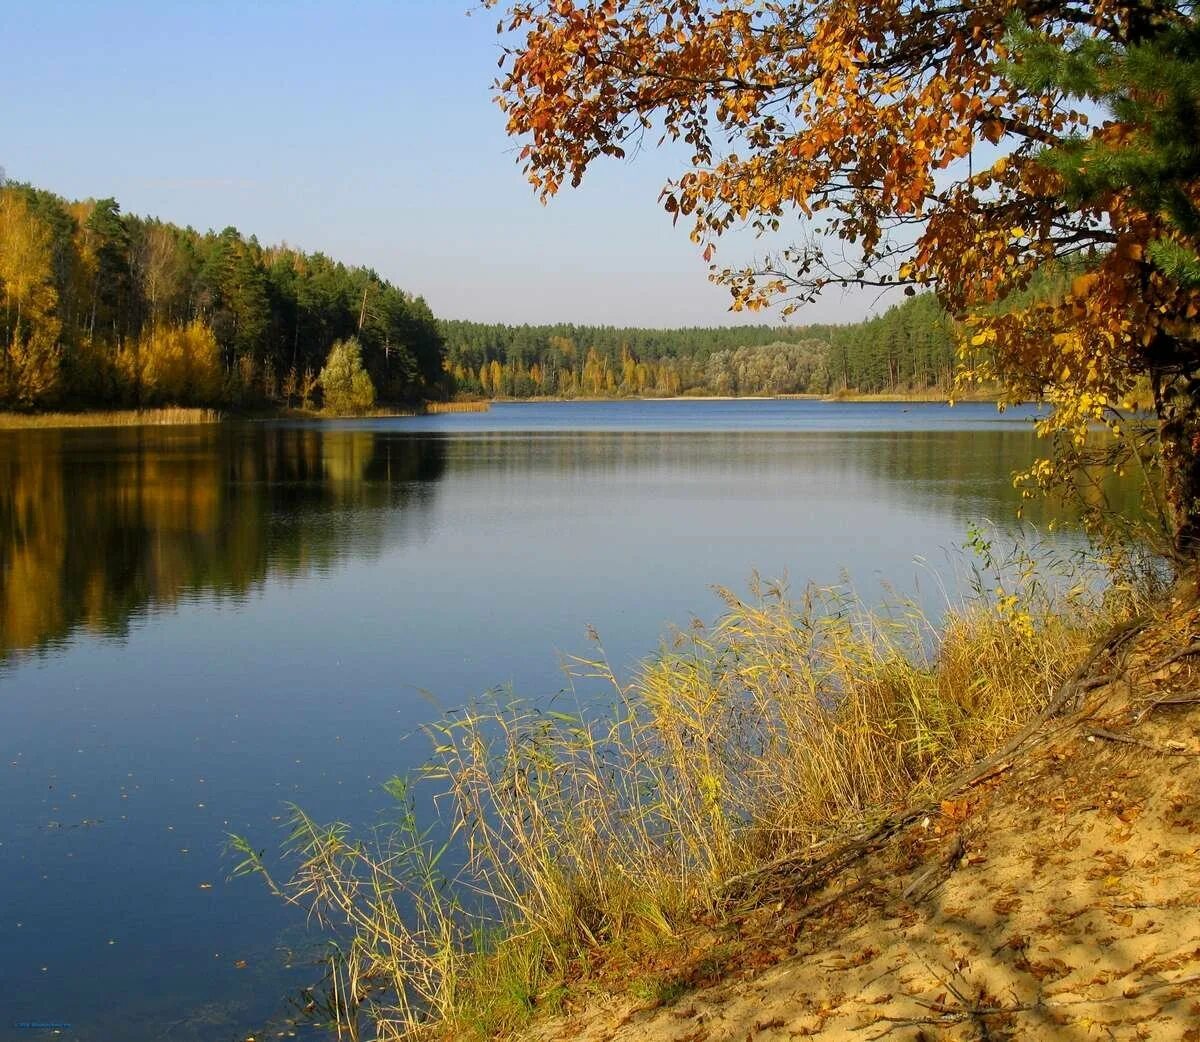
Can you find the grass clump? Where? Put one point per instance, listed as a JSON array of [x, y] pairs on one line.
[[584, 836], [437, 408], [168, 415]]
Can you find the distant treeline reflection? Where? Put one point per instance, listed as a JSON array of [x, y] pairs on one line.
[[966, 473], [99, 526]]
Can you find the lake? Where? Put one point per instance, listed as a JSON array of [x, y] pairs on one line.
[[199, 625]]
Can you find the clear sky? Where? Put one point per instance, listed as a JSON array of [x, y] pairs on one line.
[[365, 130]]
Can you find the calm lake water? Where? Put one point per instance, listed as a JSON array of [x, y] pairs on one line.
[[199, 625]]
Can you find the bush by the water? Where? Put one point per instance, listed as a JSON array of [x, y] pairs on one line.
[[345, 383]]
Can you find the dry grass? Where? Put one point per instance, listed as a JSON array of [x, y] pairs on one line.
[[923, 395], [118, 418], [616, 823], [434, 408], [385, 412]]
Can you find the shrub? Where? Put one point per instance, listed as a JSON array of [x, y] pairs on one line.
[[345, 384]]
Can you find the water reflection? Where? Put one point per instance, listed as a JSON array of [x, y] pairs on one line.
[[97, 527], [289, 598], [962, 473]]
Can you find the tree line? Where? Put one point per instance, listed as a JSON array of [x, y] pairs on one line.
[[103, 308], [911, 347]]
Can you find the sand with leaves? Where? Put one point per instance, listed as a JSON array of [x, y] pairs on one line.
[[1055, 896]]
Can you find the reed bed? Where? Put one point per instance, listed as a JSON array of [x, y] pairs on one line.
[[435, 408], [602, 824], [117, 418], [392, 412]]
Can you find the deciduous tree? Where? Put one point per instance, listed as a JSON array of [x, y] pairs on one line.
[[29, 350], [927, 142], [345, 384]]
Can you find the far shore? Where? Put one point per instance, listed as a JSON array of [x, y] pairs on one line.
[[180, 416], [930, 397], [183, 416]]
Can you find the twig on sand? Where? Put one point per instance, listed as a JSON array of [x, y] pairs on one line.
[[1170, 749], [1191, 649], [945, 1015]]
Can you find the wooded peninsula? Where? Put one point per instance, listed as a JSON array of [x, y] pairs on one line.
[[104, 309]]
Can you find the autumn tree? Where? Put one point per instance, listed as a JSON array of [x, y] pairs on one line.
[[924, 143], [100, 307], [29, 349], [158, 266], [345, 384], [170, 364]]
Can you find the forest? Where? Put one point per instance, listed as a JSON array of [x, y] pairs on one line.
[[911, 347], [102, 308]]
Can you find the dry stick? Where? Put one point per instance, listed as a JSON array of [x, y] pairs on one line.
[[1185, 698], [829, 902], [1191, 649], [957, 1016], [1095, 682], [1125, 739], [943, 869], [1159, 904], [1117, 638]]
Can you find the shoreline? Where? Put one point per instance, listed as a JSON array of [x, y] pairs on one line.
[[168, 416], [832, 399], [160, 417], [183, 416], [1098, 805], [944, 849]]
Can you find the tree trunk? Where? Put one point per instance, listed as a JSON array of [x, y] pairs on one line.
[[1177, 402]]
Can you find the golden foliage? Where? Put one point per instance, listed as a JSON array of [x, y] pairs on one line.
[[29, 352], [26, 263], [897, 131], [173, 364]]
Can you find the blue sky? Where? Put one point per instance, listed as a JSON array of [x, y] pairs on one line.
[[365, 130]]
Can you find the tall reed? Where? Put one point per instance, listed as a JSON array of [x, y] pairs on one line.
[[435, 408], [119, 418], [618, 820]]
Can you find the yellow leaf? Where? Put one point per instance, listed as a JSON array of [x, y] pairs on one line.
[[1081, 284]]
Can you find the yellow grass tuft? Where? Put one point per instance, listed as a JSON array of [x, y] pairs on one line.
[[435, 408], [118, 418]]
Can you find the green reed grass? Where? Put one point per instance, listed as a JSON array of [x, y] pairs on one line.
[[612, 824]]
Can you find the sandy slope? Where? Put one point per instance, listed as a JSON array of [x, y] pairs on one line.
[[1060, 899]]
